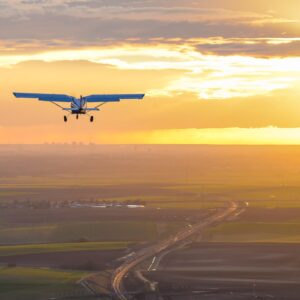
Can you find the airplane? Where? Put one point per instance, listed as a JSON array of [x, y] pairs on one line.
[[79, 106]]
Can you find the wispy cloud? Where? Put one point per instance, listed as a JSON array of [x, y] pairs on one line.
[[134, 10], [120, 19]]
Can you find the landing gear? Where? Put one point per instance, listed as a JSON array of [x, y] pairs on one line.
[[77, 117]]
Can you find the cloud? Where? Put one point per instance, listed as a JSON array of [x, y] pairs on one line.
[[96, 20], [207, 76], [211, 28], [257, 47], [135, 10]]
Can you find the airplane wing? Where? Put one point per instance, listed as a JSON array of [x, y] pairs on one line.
[[113, 97], [45, 97]]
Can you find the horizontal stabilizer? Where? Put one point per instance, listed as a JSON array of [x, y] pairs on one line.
[[92, 109], [84, 109]]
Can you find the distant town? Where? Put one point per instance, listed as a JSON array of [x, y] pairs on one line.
[[51, 204]]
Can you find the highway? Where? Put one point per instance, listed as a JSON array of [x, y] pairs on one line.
[[168, 244]]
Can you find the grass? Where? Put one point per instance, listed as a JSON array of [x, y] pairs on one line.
[[264, 196], [92, 231], [190, 205], [275, 203], [20, 235], [189, 196], [39, 275], [36, 283], [255, 232], [5, 193], [63, 247]]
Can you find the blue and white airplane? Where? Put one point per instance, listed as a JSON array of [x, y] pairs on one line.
[[79, 106]]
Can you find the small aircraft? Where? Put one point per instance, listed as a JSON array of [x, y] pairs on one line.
[[79, 106]]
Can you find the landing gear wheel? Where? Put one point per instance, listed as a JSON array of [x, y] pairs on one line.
[[92, 119], [77, 117], [65, 119]]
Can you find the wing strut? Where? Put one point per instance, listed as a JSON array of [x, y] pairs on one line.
[[100, 104], [57, 105]]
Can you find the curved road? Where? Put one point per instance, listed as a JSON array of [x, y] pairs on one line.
[[167, 244]]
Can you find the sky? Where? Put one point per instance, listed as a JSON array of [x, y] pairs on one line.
[[214, 71]]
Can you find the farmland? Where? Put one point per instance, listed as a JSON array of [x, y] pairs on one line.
[[179, 186], [131, 231], [232, 271], [255, 232], [35, 283], [95, 231], [61, 247]]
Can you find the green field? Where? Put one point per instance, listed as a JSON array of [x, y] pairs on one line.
[[190, 205], [255, 232], [35, 283], [195, 195], [201, 196], [5, 193], [62, 247], [280, 196], [91, 231]]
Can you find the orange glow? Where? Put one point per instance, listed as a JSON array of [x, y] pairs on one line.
[[225, 88]]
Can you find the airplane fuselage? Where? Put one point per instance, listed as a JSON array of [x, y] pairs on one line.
[[78, 106]]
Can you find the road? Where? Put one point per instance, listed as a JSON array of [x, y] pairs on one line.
[[167, 245]]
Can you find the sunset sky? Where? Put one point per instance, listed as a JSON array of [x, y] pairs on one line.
[[214, 71]]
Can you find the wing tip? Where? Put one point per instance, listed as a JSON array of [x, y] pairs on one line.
[[139, 96], [18, 94]]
